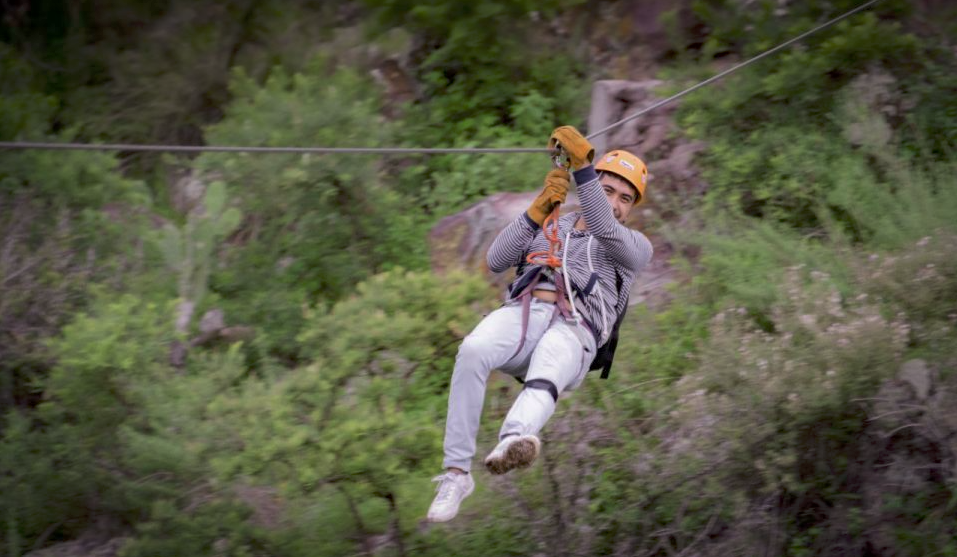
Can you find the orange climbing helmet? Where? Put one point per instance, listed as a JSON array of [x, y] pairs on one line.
[[629, 167]]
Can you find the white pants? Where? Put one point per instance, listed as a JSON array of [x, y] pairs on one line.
[[558, 352]]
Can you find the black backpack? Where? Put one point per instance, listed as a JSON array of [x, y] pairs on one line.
[[606, 352]]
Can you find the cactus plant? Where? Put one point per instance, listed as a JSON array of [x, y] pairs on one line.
[[189, 250]]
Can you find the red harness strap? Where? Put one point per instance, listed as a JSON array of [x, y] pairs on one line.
[[550, 230]]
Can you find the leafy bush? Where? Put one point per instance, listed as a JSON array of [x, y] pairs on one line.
[[139, 72], [57, 236], [25, 112], [920, 282], [763, 416], [315, 225], [352, 427], [774, 149], [471, 89], [63, 465], [511, 92], [218, 527], [901, 209]]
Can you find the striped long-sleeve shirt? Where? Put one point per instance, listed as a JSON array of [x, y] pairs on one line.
[[616, 249]]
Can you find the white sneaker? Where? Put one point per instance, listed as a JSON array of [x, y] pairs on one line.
[[452, 490], [515, 451]]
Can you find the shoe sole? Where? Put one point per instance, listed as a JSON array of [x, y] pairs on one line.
[[520, 454]]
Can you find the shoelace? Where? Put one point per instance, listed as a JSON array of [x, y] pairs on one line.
[[447, 485]]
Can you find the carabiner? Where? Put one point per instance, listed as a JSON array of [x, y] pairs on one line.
[[560, 158]]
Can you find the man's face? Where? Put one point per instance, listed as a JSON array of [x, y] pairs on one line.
[[621, 195]]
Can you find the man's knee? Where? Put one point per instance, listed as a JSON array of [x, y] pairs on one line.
[[545, 385], [472, 347]]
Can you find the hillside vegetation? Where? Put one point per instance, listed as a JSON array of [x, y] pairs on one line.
[[245, 355]]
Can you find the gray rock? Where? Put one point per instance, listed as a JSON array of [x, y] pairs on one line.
[[186, 193], [212, 321], [917, 375]]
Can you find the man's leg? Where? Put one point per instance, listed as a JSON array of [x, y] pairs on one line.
[[489, 346], [559, 363]]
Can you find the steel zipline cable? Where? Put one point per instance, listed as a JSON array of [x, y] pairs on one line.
[[732, 69], [269, 150], [417, 150]]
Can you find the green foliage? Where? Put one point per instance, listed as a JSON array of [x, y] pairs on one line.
[[773, 134], [63, 464], [101, 357], [743, 262], [24, 112], [474, 88], [654, 349], [931, 130], [141, 72], [754, 28], [764, 379], [218, 527], [357, 423], [781, 173], [779, 415], [906, 206], [315, 224], [462, 180], [78, 180], [57, 234], [921, 282], [443, 184], [40, 483], [511, 92], [739, 413]]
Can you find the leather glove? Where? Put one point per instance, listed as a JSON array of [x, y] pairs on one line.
[[578, 149], [554, 192]]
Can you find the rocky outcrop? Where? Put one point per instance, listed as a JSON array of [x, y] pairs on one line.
[[461, 240], [654, 136]]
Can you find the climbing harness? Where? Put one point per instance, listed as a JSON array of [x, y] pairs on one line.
[[522, 290]]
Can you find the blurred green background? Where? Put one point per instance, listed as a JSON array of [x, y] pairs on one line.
[[796, 394]]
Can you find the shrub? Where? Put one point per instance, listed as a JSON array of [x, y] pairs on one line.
[[774, 148], [344, 433], [217, 527], [314, 225], [63, 465]]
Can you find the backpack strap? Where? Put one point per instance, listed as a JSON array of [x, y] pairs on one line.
[[612, 345], [605, 354]]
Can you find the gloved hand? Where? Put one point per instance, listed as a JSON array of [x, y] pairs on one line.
[[578, 148], [554, 192]]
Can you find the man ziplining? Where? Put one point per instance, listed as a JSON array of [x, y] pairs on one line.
[[561, 310]]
